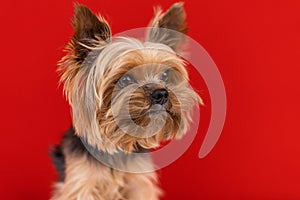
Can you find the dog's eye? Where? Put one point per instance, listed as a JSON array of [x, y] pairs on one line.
[[125, 81], [165, 76]]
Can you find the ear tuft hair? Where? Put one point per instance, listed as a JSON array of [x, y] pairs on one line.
[[168, 28], [90, 32]]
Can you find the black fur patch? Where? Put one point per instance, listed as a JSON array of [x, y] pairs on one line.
[[72, 145], [58, 160]]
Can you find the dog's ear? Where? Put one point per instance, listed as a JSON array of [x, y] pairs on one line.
[[169, 27], [90, 31]]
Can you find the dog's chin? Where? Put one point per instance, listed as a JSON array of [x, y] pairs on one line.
[[157, 109], [158, 133]]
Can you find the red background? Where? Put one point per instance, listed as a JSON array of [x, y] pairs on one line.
[[256, 45]]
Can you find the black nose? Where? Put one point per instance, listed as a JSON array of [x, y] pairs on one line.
[[159, 96]]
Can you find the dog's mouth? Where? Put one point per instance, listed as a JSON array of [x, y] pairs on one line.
[[157, 109]]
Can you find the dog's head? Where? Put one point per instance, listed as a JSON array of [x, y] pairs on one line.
[[125, 92]]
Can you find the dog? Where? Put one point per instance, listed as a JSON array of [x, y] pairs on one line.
[[127, 96]]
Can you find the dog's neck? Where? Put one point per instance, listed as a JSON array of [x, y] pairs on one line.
[[137, 161]]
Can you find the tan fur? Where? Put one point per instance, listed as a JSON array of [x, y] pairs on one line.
[[91, 180]]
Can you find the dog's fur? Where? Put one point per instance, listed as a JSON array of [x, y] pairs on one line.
[[91, 73]]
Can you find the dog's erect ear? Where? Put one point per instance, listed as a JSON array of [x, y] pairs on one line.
[[169, 27], [90, 31]]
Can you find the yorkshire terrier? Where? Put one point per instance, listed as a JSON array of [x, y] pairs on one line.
[[128, 96]]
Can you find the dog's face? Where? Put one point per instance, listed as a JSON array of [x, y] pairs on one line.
[[125, 92]]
